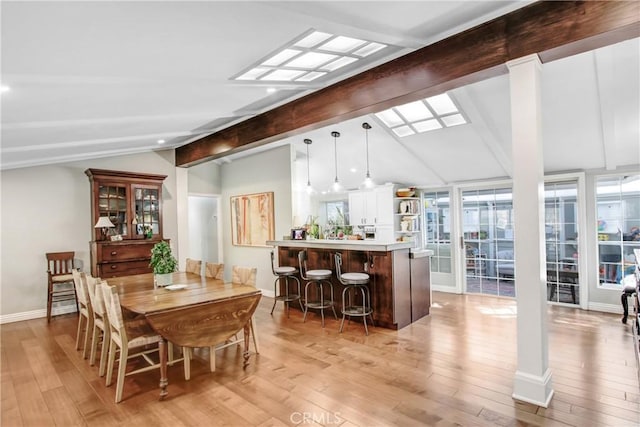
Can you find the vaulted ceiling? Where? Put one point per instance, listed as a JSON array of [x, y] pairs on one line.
[[98, 79]]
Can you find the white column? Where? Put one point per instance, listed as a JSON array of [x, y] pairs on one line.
[[182, 214], [532, 381]]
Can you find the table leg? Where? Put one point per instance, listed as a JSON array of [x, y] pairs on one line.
[[164, 381], [247, 333]]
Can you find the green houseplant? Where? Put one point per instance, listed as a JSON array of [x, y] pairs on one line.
[[163, 263]]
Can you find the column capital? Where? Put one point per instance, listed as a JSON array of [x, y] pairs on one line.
[[533, 58]]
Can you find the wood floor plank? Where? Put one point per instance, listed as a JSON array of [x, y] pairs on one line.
[[10, 411], [454, 367], [62, 408], [40, 361]]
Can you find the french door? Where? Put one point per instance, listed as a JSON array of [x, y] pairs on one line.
[[438, 235], [487, 241]]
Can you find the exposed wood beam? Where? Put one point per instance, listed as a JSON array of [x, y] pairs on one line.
[[552, 29]]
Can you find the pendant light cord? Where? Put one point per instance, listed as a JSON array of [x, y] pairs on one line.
[[308, 177], [335, 136], [335, 154], [366, 133]]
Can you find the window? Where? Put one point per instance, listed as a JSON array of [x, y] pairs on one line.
[[313, 56], [618, 226], [424, 115]]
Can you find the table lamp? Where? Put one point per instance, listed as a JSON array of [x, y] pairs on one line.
[[104, 223]]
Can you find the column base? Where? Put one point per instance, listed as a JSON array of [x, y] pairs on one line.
[[532, 388]]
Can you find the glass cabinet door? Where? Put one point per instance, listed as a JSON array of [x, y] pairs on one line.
[[112, 203], [146, 215]]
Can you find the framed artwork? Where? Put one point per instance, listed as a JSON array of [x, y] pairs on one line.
[[252, 219], [298, 234]]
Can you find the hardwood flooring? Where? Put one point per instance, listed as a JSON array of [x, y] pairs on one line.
[[454, 367]]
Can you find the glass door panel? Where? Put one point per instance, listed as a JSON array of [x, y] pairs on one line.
[[437, 230], [561, 242], [147, 212], [487, 217], [112, 203]]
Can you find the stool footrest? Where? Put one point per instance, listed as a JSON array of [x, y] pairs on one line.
[[357, 311], [318, 304], [290, 297]]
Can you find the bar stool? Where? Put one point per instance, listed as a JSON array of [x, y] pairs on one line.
[[354, 283], [285, 273], [319, 278]]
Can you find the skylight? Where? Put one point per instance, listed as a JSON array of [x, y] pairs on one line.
[[428, 114], [313, 56]]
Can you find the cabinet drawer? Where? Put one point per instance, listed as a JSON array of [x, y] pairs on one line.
[[117, 269], [125, 252]]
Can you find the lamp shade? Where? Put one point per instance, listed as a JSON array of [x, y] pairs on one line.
[[104, 221]]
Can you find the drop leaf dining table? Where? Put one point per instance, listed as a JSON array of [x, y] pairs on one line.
[[196, 311]]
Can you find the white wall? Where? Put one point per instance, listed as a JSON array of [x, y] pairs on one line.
[[48, 209], [266, 171], [203, 228], [204, 178]]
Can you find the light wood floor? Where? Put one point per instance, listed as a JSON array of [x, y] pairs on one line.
[[454, 367]]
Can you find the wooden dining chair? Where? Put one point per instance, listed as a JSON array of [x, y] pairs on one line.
[[132, 335], [247, 276], [85, 318], [194, 266], [60, 280], [100, 331], [213, 270]]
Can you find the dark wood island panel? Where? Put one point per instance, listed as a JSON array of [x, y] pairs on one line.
[[395, 303]]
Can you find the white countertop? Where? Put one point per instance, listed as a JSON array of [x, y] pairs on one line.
[[354, 245], [420, 253]]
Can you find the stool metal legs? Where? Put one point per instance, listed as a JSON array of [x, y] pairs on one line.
[[351, 309], [287, 297], [321, 304]]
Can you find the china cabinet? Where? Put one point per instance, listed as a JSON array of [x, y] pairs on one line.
[[133, 203]]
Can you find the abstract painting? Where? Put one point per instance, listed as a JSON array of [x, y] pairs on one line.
[[252, 220]]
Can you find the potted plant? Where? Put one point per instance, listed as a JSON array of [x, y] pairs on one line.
[[163, 263]]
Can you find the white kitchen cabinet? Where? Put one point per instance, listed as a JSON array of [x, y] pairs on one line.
[[362, 207], [371, 207]]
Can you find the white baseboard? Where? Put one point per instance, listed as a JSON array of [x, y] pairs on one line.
[[441, 288], [267, 293], [606, 308], [36, 314]]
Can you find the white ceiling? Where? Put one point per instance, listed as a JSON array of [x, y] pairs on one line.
[[98, 79]]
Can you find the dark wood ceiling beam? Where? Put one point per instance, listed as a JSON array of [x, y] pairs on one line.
[[553, 30]]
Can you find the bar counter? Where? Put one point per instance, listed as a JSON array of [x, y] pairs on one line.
[[400, 277], [360, 245]]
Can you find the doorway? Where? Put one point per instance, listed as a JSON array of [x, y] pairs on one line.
[[487, 236], [204, 233], [438, 235]]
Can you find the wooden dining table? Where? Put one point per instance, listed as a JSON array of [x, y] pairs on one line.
[[195, 311]]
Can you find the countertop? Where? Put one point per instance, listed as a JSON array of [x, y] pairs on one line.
[[420, 253], [353, 245]]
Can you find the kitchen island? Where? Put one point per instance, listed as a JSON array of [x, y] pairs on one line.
[[400, 279]]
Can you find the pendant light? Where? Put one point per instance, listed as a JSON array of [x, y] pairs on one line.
[[368, 182], [336, 188], [310, 189]]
